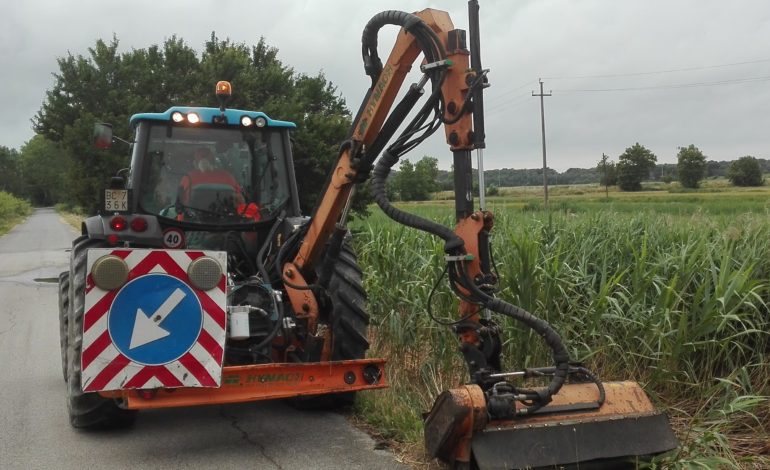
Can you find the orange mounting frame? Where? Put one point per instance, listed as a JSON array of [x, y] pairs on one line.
[[265, 382], [469, 229]]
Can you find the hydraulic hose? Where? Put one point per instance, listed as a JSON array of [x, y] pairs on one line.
[[552, 339], [426, 38], [260, 255], [453, 242]]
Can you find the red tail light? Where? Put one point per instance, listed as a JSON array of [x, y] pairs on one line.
[[118, 223], [147, 394], [138, 224]]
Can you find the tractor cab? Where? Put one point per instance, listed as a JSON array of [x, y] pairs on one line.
[[201, 169], [206, 166]]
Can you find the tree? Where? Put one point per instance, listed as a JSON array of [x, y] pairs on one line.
[[691, 166], [608, 173], [108, 86], [745, 172], [415, 182], [10, 178], [42, 166], [634, 165]]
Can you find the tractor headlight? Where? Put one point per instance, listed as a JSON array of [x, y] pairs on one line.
[[204, 273], [246, 121], [176, 116], [109, 272], [193, 118], [260, 122]]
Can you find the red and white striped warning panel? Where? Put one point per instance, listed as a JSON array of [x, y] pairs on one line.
[[156, 329]]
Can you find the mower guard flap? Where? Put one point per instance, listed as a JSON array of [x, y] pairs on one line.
[[593, 444]]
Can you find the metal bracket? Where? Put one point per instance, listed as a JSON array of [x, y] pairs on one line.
[[441, 64], [467, 257]]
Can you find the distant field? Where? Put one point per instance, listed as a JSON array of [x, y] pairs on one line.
[[669, 288], [715, 197]]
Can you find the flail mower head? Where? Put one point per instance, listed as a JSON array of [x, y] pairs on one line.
[[584, 426]]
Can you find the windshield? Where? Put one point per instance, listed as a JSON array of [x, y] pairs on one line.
[[213, 175]]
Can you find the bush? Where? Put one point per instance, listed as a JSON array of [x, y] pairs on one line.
[[745, 172], [11, 208]]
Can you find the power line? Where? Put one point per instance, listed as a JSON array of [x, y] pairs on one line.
[[511, 90], [509, 103], [672, 86], [505, 108], [633, 74]]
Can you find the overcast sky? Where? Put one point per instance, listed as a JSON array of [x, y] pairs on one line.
[[671, 73]]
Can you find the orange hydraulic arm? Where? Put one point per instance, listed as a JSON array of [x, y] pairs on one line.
[[368, 124], [367, 128], [453, 100]]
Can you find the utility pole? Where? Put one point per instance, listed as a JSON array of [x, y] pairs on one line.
[[606, 181], [542, 126]]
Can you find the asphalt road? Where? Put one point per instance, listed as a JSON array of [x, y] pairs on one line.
[[34, 428]]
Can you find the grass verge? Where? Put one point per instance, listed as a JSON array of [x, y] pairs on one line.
[[12, 211]]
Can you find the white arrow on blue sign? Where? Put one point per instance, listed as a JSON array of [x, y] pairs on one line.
[[155, 319]]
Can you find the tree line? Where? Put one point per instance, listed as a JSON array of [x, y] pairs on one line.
[[639, 164], [59, 165], [105, 85]]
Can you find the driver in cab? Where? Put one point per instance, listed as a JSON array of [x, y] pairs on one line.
[[211, 189], [205, 174]]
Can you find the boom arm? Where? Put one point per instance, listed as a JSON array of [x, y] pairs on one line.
[[368, 135], [454, 101]]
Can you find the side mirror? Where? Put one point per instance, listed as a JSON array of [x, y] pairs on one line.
[[102, 135]]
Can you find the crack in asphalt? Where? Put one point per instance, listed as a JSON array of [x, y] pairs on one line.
[[245, 436], [11, 324]]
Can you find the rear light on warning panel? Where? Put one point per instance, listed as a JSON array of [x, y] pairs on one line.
[[109, 272], [204, 273]]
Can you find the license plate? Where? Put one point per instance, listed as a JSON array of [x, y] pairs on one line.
[[116, 200]]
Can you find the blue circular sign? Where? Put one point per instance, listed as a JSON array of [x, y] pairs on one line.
[[155, 319]]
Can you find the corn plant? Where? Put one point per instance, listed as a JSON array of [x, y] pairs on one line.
[[677, 301]]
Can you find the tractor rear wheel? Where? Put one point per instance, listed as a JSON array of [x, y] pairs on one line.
[[349, 324], [86, 410], [64, 292], [350, 321]]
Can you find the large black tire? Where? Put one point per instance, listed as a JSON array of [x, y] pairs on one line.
[[64, 307], [349, 324], [86, 410], [350, 321]]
